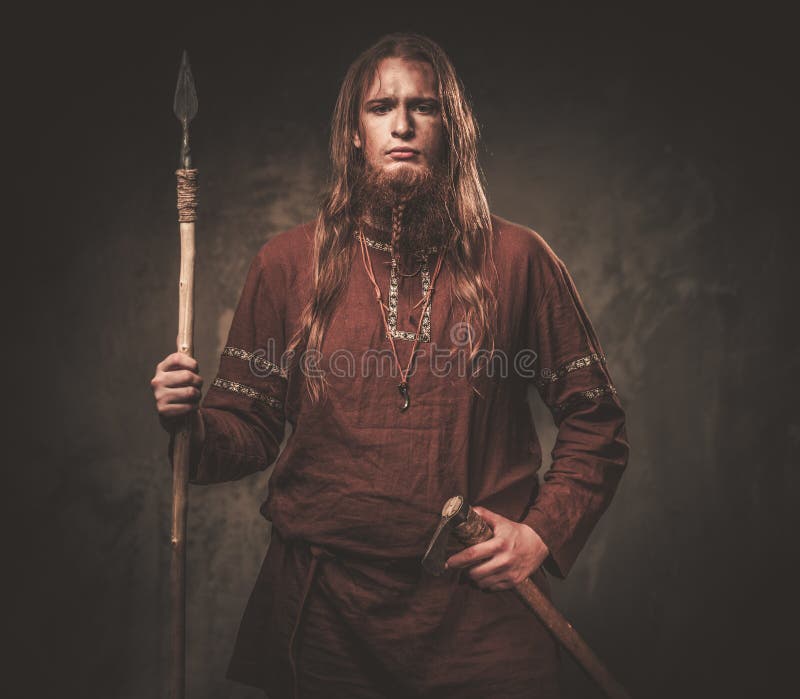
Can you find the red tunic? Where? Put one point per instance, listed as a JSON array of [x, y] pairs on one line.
[[341, 606]]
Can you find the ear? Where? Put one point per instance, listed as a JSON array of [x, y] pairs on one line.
[[356, 140]]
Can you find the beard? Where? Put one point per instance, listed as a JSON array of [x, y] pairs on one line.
[[423, 196]]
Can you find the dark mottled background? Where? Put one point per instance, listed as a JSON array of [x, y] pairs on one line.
[[656, 153]]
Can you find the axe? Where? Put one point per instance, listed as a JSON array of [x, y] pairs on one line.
[[461, 525]]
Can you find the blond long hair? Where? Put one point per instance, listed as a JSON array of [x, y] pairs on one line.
[[470, 255]]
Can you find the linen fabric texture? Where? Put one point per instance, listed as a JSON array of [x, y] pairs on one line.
[[341, 606]]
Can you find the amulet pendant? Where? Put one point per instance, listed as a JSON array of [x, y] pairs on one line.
[[403, 388]]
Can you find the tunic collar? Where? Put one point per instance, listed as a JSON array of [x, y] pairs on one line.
[[386, 247]]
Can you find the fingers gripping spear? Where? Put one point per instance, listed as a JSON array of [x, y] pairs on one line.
[[185, 107]]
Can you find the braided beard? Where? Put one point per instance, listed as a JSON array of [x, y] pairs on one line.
[[407, 208]]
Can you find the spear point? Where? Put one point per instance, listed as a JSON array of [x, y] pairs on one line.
[[185, 104], [185, 108]]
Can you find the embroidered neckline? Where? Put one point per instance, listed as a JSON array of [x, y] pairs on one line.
[[385, 247], [425, 331], [423, 253]]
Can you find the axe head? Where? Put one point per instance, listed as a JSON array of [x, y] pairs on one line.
[[454, 512]]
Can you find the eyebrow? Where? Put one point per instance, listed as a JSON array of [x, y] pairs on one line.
[[380, 100], [393, 100]]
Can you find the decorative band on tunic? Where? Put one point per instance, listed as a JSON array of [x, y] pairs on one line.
[[256, 360], [249, 391]]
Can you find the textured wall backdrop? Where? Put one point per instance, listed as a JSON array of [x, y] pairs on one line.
[[653, 155]]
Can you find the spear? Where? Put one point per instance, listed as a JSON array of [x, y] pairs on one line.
[[185, 107]]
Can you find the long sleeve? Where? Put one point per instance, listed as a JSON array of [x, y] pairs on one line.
[[591, 449], [243, 410]]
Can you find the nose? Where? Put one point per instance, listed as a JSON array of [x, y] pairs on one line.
[[402, 126]]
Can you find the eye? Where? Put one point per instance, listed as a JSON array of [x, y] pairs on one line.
[[380, 109], [426, 108]]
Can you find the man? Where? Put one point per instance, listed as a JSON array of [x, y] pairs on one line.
[[400, 397]]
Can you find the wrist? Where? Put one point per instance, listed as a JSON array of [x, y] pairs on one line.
[[538, 539]]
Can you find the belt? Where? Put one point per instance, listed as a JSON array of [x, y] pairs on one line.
[[317, 553], [407, 566]]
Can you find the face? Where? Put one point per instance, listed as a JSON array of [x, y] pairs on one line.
[[400, 123]]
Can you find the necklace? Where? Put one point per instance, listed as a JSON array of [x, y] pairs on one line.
[[403, 385], [413, 274]]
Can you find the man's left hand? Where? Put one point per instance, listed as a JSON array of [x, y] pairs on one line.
[[504, 561]]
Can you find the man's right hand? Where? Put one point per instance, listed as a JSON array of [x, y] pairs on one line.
[[176, 388]]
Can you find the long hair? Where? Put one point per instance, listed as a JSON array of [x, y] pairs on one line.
[[469, 254]]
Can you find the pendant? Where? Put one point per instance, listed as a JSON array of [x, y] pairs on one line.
[[403, 388], [413, 274]]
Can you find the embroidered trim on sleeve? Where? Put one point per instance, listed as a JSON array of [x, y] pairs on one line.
[[590, 394], [248, 391], [264, 366], [549, 376]]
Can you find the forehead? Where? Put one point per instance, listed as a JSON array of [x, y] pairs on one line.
[[401, 77]]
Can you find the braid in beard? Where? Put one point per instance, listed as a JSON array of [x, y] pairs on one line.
[[397, 223], [409, 209]]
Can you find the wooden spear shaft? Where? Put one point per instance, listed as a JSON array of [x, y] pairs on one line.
[[185, 108], [180, 478]]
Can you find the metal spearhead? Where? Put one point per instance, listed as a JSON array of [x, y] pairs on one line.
[[185, 107]]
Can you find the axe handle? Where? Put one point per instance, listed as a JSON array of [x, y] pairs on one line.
[[564, 632], [475, 530]]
